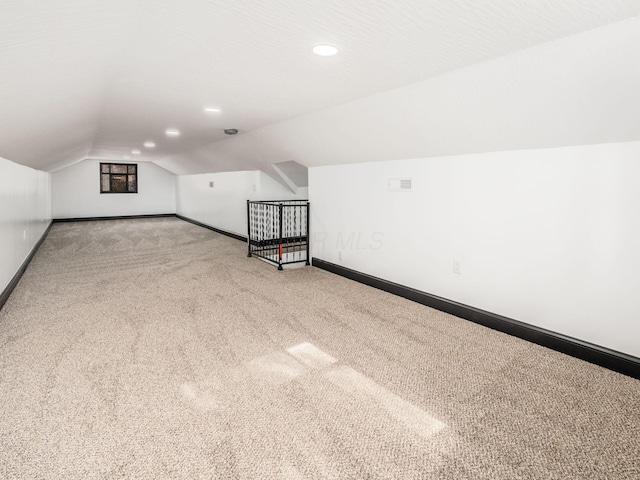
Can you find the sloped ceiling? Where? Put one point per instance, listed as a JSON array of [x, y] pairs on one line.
[[97, 78]]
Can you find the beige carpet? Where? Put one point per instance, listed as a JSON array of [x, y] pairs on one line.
[[154, 349]]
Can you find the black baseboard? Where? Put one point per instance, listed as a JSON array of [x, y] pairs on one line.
[[6, 293], [120, 217], [611, 359], [217, 230]]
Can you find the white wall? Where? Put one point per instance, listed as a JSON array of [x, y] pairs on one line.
[[225, 205], [549, 237], [76, 192], [25, 214]]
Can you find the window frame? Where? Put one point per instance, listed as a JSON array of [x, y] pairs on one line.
[[127, 175]]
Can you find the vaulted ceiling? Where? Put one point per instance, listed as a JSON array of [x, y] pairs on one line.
[[98, 78]]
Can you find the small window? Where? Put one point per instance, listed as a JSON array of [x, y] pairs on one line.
[[118, 178]]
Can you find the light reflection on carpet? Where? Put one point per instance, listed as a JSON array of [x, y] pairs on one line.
[[278, 368]]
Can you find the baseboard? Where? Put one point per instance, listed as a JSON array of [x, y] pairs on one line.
[[611, 359], [209, 227], [6, 293], [119, 217]]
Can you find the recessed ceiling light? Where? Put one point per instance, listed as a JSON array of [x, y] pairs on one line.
[[172, 132], [135, 151], [126, 157], [212, 109], [325, 50], [149, 144]]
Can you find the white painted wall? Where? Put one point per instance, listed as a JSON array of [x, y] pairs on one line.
[[549, 237], [25, 214], [225, 205], [76, 192]]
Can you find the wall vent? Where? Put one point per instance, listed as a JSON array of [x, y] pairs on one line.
[[400, 185]]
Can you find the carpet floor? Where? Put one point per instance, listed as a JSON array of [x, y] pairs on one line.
[[154, 349]]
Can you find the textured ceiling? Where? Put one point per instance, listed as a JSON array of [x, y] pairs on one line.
[[97, 78]]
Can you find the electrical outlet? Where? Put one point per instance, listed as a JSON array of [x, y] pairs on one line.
[[210, 184], [456, 267], [340, 255], [24, 234], [254, 187]]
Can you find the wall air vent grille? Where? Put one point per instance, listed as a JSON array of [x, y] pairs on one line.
[[400, 185]]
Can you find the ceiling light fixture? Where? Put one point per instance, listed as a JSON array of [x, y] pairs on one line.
[[212, 109], [172, 132], [149, 144], [135, 151], [325, 50], [126, 157]]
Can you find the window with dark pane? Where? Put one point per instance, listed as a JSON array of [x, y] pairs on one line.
[[118, 178]]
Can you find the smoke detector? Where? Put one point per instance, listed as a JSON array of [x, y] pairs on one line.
[[231, 131]]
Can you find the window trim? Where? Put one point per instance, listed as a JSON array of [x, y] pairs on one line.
[[111, 174]]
